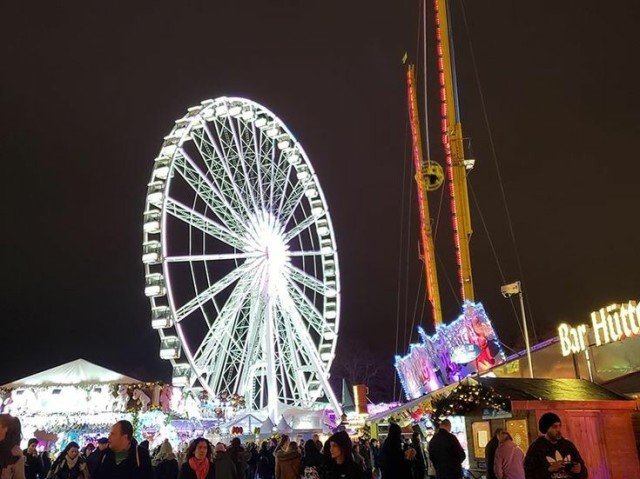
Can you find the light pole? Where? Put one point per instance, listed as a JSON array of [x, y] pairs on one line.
[[507, 291]]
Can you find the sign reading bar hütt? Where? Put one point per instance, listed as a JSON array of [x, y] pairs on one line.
[[613, 323]]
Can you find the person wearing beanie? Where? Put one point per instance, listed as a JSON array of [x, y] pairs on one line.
[[340, 464], [551, 456]]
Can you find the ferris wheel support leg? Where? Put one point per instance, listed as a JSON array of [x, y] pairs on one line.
[[323, 375], [272, 387]]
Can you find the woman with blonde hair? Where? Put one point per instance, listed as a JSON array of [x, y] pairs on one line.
[[166, 462]]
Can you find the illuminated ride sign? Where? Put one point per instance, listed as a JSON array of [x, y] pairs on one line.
[[613, 323], [453, 352]]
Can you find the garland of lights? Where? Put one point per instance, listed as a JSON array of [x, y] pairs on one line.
[[465, 398]]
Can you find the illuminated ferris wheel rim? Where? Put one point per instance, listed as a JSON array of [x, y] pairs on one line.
[[261, 234]]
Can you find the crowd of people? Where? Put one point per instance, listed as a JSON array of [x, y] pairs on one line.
[[121, 457]]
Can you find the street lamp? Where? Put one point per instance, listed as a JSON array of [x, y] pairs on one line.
[[507, 291]]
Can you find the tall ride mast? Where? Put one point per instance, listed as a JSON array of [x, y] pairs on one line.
[[428, 177], [453, 143]]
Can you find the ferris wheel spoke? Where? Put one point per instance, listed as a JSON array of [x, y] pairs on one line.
[[204, 224], [293, 201], [221, 168], [219, 342], [251, 352], [210, 257], [240, 151], [213, 290], [214, 159], [296, 361], [283, 357], [306, 253], [280, 180], [309, 346], [211, 194], [306, 279], [305, 308], [299, 228], [258, 152], [228, 156]]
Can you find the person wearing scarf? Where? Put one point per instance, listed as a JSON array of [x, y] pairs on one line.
[[198, 461], [69, 464]]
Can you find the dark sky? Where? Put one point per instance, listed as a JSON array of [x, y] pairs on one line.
[[89, 89]]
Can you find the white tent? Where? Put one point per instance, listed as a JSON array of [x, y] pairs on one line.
[[266, 429], [75, 372]]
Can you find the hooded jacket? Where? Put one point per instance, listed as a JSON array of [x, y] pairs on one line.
[[542, 453], [288, 464]]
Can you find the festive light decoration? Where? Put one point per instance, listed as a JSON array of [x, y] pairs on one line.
[[429, 365], [465, 398]]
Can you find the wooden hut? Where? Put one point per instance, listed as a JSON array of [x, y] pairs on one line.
[[597, 420]]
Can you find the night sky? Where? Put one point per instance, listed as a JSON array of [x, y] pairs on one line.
[[89, 89]]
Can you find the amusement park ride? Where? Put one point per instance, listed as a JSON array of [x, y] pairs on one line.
[[469, 343], [241, 265], [240, 260]]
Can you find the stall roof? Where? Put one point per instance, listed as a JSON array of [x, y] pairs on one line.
[[629, 384], [75, 372], [526, 389]]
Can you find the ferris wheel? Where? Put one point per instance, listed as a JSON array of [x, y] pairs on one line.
[[240, 258]]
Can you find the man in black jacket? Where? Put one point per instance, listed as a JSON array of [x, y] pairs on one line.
[[446, 453], [124, 459], [33, 466], [551, 456]]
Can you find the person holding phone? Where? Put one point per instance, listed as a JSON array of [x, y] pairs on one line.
[[551, 456]]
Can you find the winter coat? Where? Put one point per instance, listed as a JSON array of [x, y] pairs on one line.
[[93, 461], [393, 463], [186, 472], [225, 468], [265, 466], [288, 464], [346, 470], [490, 454], [447, 455], [167, 469], [240, 457], [61, 469], [542, 452], [509, 461], [137, 464], [14, 471], [33, 467]]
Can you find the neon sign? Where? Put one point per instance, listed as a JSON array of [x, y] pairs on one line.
[[613, 323]]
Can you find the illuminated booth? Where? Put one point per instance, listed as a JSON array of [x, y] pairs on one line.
[[80, 401], [597, 420]]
